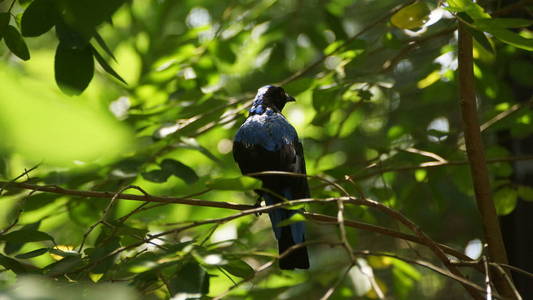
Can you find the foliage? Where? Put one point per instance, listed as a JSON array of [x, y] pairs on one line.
[[377, 110]]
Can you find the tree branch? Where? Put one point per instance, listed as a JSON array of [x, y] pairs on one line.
[[476, 157]]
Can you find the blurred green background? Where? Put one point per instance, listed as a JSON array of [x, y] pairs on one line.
[[381, 101]]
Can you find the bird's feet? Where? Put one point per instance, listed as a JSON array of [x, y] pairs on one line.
[[258, 205]]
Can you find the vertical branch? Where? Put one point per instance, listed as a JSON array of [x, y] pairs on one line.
[[476, 157]]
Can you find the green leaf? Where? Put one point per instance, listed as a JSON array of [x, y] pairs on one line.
[[239, 268], [158, 176], [38, 18], [37, 201], [293, 219], [3, 167], [103, 63], [525, 192], [222, 50], [412, 16], [66, 265], [15, 43], [74, 68], [104, 46], [26, 236], [481, 38], [298, 86], [180, 170], [468, 6], [85, 15], [323, 99], [505, 201], [32, 254], [243, 183], [512, 38], [12, 264], [69, 37], [499, 23], [4, 21], [190, 279]]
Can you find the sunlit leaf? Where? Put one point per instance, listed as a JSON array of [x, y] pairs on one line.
[[411, 16], [505, 201], [472, 9], [293, 219]]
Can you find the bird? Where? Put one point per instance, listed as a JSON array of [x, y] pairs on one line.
[[266, 141]]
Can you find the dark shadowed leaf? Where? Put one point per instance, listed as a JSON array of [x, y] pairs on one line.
[[158, 176], [74, 68], [26, 236], [15, 43], [85, 15], [104, 46], [3, 168], [190, 279], [33, 253], [103, 63], [69, 37], [298, 86], [38, 18], [495, 23], [239, 268], [4, 21], [37, 201], [12, 264], [180, 170], [242, 183], [512, 38], [66, 265], [525, 192], [323, 99]]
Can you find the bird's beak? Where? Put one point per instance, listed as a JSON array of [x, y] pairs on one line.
[[290, 98]]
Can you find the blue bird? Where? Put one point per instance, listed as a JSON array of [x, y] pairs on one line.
[[267, 142]]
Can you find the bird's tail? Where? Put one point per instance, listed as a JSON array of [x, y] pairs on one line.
[[297, 258], [288, 236]]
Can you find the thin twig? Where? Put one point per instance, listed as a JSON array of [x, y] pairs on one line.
[[26, 172], [106, 212], [332, 288], [432, 267]]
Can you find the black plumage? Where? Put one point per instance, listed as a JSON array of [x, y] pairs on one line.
[[267, 142]]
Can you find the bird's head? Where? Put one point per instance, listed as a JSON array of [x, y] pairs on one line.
[[270, 96]]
